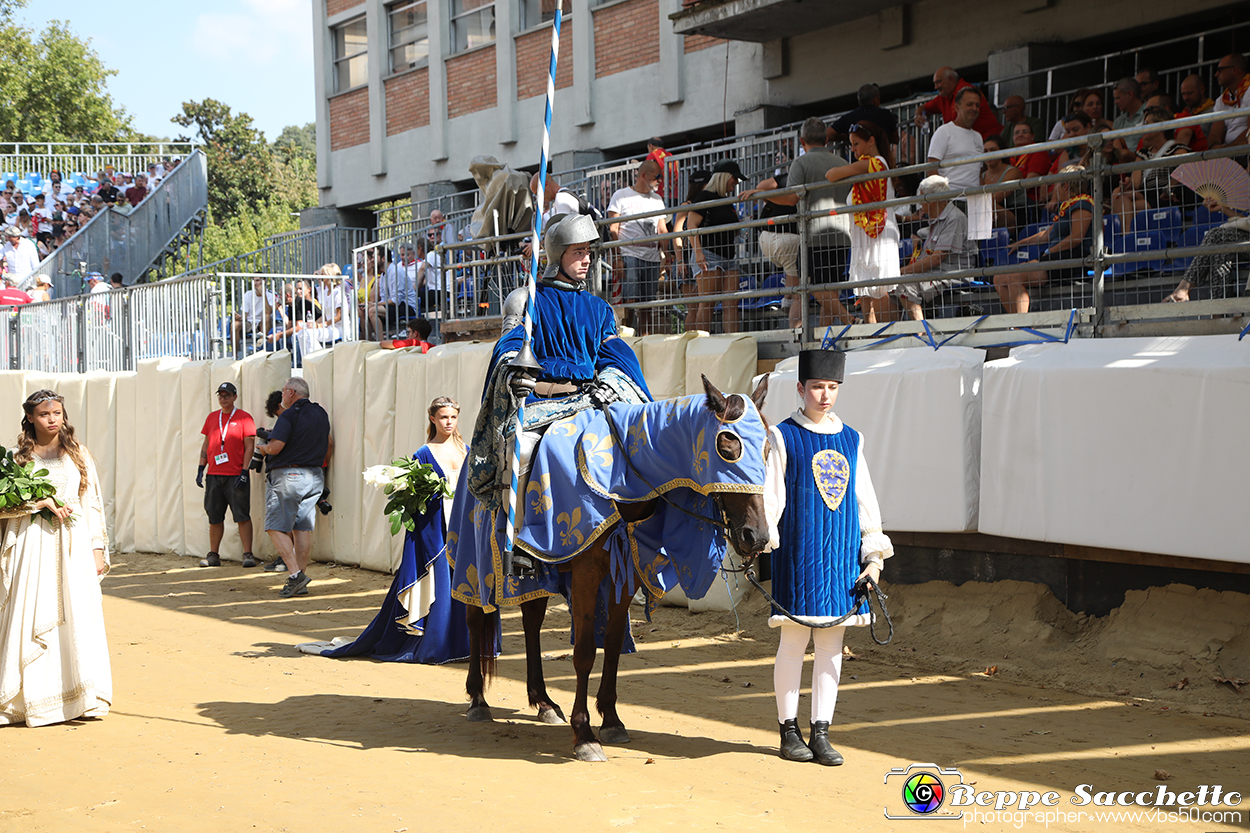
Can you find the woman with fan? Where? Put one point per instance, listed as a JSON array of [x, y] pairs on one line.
[[1214, 269], [1149, 188]]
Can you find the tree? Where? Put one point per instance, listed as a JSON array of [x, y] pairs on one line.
[[240, 163], [53, 87], [297, 141]]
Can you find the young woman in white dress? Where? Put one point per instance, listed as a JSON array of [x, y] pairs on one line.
[[54, 661]]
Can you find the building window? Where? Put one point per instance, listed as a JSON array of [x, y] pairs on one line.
[[351, 55], [410, 40], [534, 12], [472, 23]]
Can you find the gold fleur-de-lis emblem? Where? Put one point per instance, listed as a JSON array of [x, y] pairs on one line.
[[598, 449], [570, 534], [670, 413], [565, 426], [638, 435], [539, 494], [701, 458]]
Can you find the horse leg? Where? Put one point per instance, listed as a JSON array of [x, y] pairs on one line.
[[613, 729], [532, 614], [588, 571], [475, 685]]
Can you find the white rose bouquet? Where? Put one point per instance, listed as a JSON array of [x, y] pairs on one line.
[[410, 486]]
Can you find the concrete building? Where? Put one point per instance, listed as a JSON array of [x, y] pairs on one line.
[[408, 92]]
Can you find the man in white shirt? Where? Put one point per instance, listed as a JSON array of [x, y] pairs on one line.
[[957, 140], [432, 281], [20, 255], [255, 312], [1231, 74], [642, 261]]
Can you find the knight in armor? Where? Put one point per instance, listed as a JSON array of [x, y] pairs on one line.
[[826, 535], [577, 361]]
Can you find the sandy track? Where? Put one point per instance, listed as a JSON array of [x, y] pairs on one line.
[[219, 724]]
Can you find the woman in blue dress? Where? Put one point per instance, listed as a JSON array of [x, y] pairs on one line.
[[419, 621]]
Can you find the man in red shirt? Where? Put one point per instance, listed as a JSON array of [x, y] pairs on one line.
[[229, 439], [135, 193], [10, 295], [1030, 165], [947, 82]]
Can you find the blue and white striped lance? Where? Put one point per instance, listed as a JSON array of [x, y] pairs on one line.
[[532, 283]]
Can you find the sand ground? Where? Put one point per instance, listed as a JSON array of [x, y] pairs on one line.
[[219, 724]]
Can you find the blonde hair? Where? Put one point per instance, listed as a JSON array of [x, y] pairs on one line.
[[329, 270], [720, 183], [437, 405]]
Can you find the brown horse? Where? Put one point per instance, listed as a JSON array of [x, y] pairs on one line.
[[747, 529]]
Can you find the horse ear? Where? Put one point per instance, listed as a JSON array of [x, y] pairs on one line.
[[715, 399], [761, 393]]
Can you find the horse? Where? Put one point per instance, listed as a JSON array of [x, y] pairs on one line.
[[616, 531]]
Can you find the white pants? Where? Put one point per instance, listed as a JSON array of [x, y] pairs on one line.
[[826, 671]]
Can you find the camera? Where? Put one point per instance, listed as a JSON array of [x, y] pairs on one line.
[[258, 459]]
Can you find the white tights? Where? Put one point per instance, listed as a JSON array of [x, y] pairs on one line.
[[827, 670]]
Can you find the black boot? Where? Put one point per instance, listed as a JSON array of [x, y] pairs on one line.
[[824, 754], [792, 746]]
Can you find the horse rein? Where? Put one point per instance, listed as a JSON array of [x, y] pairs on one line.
[[862, 596]]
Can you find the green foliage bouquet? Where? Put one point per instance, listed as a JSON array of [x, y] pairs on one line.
[[22, 486], [410, 486]]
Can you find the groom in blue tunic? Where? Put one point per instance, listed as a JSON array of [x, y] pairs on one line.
[[578, 361]]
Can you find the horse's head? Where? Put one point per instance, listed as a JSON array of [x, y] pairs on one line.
[[744, 511]]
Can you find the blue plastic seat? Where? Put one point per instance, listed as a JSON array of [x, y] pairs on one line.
[[774, 281], [1148, 240], [1166, 220], [905, 248], [36, 179], [993, 252], [1204, 217]]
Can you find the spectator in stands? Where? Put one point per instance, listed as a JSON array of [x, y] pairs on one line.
[[1148, 80], [1031, 166], [683, 259], [1161, 100], [1233, 78], [828, 236], [715, 253], [780, 241], [96, 283], [301, 312], [156, 172], [1197, 102], [367, 269], [948, 84], [435, 283], [383, 311], [137, 192], [97, 204], [556, 200], [642, 262], [1013, 114], [333, 300], [1128, 101], [874, 234], [946, 247], [52, 185], [1095, 108], [958, 139], [397, 297], [1150, 188], [869, 109], [10, 295], [418, 336], [107, 192], [19, 253], [42, 290], [1214, 270], [42, 212], [254, 316], [1075, 125], [116, 281], [443, 230], [1070, 236], [998, 171], [657, 154]]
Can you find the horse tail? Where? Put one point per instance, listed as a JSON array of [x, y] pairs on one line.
[[488, 626]]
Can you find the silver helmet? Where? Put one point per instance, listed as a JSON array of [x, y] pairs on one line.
[[567, 230]]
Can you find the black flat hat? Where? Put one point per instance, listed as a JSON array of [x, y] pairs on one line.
[[822, 364]]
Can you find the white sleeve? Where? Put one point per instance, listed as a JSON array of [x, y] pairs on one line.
[[937, 145], [1056, 132], [874, 544], [774, 486], [93, 508]]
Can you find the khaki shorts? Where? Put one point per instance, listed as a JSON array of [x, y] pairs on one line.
[[782, 249]]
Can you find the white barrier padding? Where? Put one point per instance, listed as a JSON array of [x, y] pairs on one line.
[[729, 362], [349, 447], [1133, 444], [125, 390], [663, 360], [376, 545], [99, 426], [919, 412], [199, 399]]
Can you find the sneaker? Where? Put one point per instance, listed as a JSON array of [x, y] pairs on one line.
[[211, 560], [295, 586], [249, 560], [275, 566]]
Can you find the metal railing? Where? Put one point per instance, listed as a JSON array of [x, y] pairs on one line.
[[293, 253], [18, 160], [131, 240], [1130, 264], [196, 317]]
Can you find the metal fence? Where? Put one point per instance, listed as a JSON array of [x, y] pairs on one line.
[[1136, 251], [199, 317], [20, 160], [131, 240]]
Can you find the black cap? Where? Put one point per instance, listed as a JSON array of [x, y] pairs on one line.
[[822, 364], [227, 387], [728, 166]]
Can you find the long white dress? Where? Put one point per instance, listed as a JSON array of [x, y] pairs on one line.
[[54, 661], [874, 258]]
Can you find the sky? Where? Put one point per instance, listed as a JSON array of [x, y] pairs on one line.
[[253, 55]]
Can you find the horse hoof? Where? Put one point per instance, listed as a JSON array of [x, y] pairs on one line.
[[550, 714], [590, 752], [479, 714], [614, 735]]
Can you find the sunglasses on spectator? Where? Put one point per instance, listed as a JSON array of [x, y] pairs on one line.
[[860, 129]]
